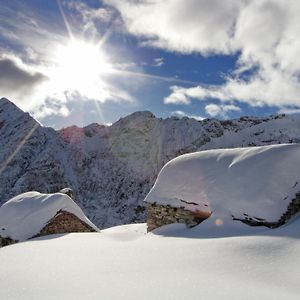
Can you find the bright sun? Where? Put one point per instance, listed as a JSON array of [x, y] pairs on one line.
[[79, 66]]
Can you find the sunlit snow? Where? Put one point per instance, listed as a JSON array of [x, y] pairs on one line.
[[126, 263]]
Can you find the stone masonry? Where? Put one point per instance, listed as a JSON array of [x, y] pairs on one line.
[[62, 222], [159, 215], [292, 209], [65, 222]]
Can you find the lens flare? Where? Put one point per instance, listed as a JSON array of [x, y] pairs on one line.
[[219, 222]]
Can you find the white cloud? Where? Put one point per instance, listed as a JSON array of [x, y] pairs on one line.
[[90, 19], [181, 114], [183, 26], [215, 110], [286, 110], [264, 33], [158, 62], [51, 107], [178, 96]]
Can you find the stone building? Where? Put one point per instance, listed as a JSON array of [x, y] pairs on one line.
[[32, 214], [258, 186], [65, 222]]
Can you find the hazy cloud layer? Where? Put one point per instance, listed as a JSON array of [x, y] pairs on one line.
[[17, 81], [265, 34]]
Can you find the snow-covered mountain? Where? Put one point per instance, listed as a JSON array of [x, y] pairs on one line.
[[112, 168]]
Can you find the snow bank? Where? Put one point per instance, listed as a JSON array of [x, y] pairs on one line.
[[25, 215], [125, 263], [257, 181]]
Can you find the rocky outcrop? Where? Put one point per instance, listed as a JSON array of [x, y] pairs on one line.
[[160, 215], [6, 241]]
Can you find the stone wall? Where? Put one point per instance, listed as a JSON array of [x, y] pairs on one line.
[[62, 222], [159, 215], [292, 209], [65, 222]]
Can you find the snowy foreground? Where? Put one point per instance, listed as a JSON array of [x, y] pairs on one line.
[[173, 263]]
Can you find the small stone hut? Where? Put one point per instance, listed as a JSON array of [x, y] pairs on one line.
[[33, 214], [258, 186]]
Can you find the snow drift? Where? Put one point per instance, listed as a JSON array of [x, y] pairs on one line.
[[126, 263], [258, 181], [23, 216]]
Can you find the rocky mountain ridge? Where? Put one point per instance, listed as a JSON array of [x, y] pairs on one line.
[[112, 168]]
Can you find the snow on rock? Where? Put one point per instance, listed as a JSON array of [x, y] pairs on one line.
[[257, 182], [23, 216]]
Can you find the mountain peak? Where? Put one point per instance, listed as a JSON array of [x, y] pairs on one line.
[[5, 101], [6, 105], [135, 118], [145, 114], [11, 117]]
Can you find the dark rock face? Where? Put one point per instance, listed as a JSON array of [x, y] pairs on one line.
[[6, 241]]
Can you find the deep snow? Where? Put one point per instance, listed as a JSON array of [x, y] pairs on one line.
[[173, 263], [24, 216], [258, 182]]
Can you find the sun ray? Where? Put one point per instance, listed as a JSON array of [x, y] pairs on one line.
[[100, 112], [63, 15], [150, 76], [19, 147]]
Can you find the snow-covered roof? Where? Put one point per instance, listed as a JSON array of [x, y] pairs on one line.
[[255, 181], [25, 215]]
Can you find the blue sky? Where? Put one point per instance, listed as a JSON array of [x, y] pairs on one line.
[[78, 62]]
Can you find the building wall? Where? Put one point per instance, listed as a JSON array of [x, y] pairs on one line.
[[65, 222], [62, 222], [159, 215], [292, 209]]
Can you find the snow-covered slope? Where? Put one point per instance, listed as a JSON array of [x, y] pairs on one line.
[[25, 215], [32, 157], [257, 182], [126, 263], [112, 168]]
